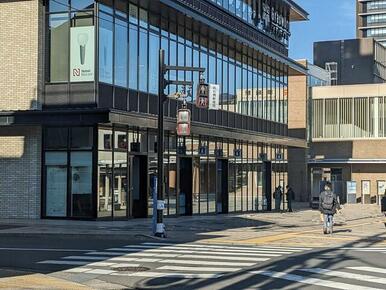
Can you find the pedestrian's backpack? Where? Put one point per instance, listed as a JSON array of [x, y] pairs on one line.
[[328, 200]]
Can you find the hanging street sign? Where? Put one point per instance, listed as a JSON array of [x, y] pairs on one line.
[[279, 156], [237, 153], [202, 150], [202, 96], [214, 97]]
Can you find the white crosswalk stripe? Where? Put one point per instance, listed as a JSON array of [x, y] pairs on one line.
[[346, 275], [369, 269], [187, 261], [312, 281], [347, 280], [369, 249]]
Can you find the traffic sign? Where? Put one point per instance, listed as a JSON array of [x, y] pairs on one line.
[[202, 96]]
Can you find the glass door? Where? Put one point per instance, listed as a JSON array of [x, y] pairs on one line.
[[56, 184]]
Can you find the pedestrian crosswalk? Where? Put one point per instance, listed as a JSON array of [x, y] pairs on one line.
[[348, 278], [185, 260], [367, 249]]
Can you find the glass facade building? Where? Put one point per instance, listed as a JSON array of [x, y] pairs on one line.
[[371, 19], [101, 89]]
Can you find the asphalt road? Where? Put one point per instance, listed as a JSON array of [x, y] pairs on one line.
[[147, 264]]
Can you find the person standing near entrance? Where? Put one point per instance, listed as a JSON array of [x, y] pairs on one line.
[[277, 195], [290, 197], [328, 204]]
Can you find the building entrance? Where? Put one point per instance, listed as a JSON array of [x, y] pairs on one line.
[[185, 186], [138, 185], [267, 184], [222, 186]]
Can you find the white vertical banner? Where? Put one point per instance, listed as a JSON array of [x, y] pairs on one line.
[[214, 97], [82, 54]]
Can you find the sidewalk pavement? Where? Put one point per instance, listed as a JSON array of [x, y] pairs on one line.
[[301, 226]]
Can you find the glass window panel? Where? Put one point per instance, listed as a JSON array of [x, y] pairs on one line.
[[56, 184], [143, 54], [120, 184], [204, 175], [133, 57], [82, 4], [82, 137], [105, 183], [133, 14], [212, 185], [59, 26], [58, 5], [239, 94], [153, 63], [143, 18], [105, 48], [56, 138], [196, 185], [81, 184], [105, 139], [121, 8], [121, 43], [120, 140]]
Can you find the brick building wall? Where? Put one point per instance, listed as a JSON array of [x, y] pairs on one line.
[[21, 38], [297, 127], [20, 167], [21, 83]]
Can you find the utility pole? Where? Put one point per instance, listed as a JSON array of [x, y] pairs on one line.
[[160, 227], [162, 83]]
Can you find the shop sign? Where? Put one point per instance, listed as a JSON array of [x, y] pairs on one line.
[[214, 97], [381, 187], [82, 54], [351, 187]]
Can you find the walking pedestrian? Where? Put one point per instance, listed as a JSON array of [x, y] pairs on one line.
[[290, 197], [277, 195], [328, 204]]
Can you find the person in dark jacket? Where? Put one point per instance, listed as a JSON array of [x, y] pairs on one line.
[[328, 205], [290, 197]]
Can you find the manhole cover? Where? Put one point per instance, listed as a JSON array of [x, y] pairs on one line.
[[131, 269]]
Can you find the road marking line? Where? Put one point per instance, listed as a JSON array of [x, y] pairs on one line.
[[133, 254], [63, 262], [147, 260], [223, 258], [366, 249], [199, 269], [170, 275], [311, 281], [100, 272], [77, 270], [86, 258], [102, 264], [217, 248], [214, 252], [346, 275], [209, 263], [47, 250], [125, 265], [369, 269], [220, 246]]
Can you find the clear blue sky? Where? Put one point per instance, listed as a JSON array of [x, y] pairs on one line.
[[328, 20]]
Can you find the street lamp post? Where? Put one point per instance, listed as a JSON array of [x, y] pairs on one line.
[[162, 83]]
